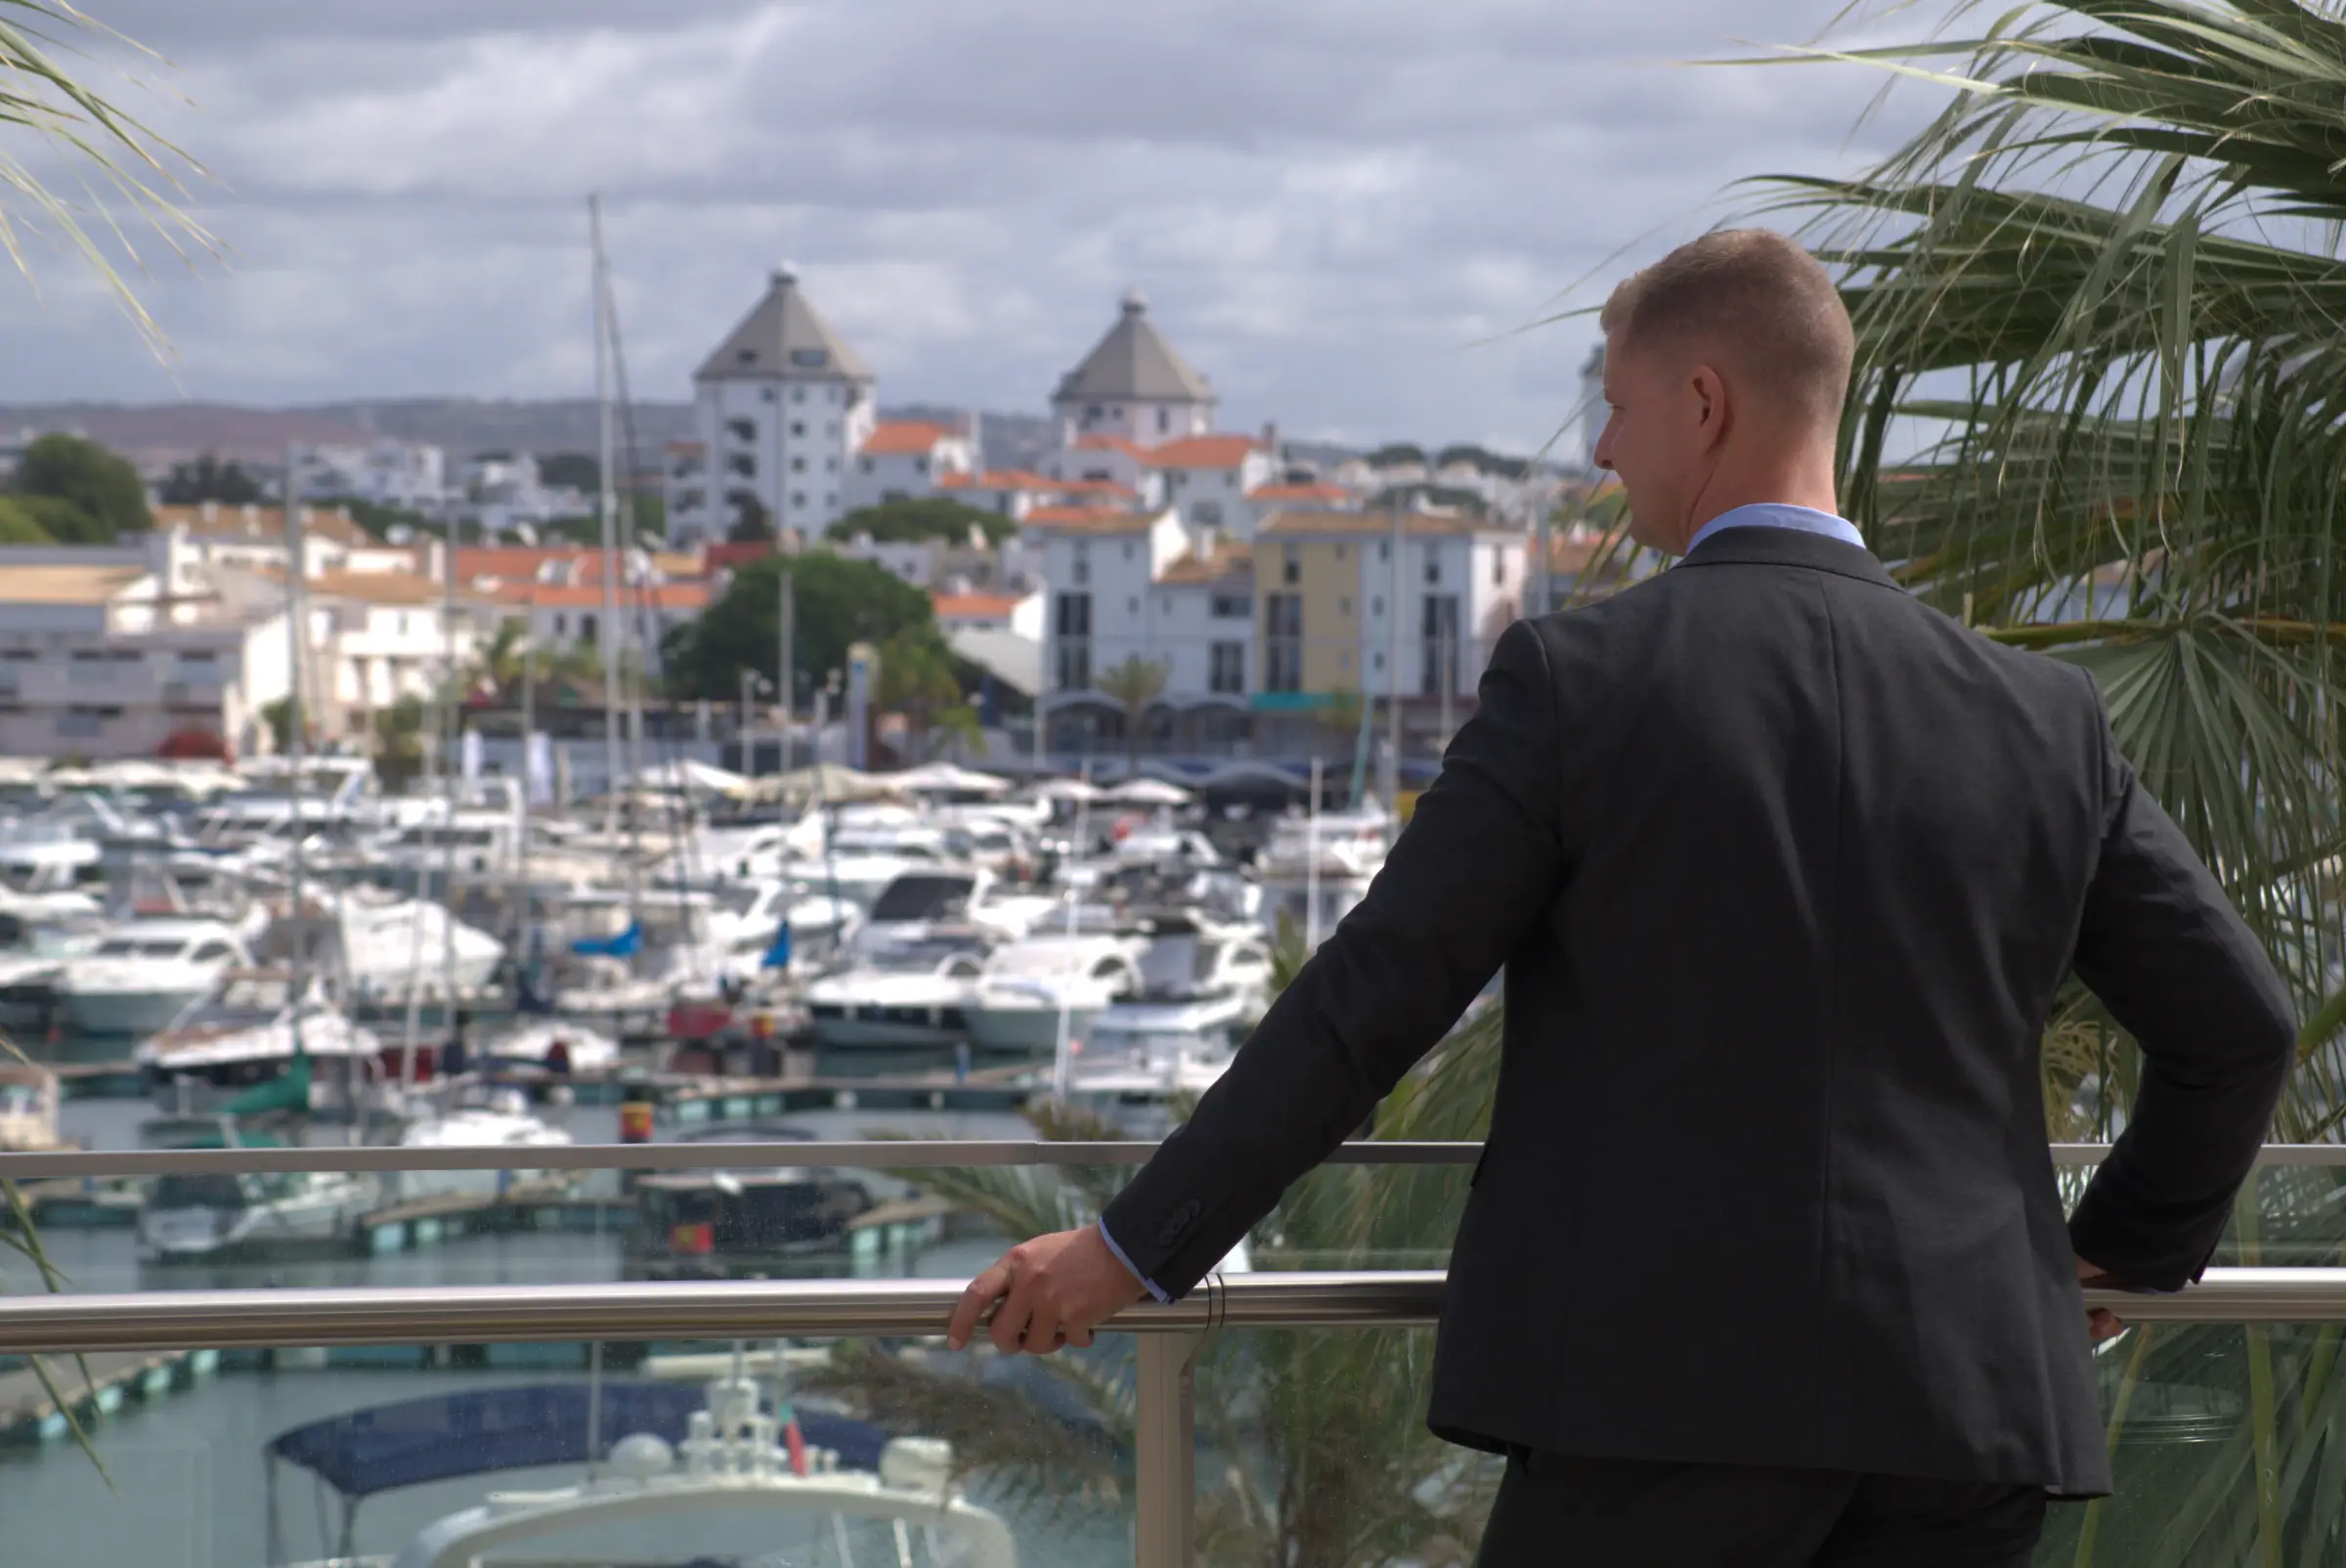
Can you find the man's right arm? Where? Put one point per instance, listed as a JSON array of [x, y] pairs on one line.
[[2180, 971]]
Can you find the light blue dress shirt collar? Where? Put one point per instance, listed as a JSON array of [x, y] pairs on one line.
[[1777, 514]]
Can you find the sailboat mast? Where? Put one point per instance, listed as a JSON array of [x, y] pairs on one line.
[[448, 773], [296, 723], [607, 511]]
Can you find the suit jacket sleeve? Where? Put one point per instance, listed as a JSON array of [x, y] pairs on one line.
[[1479, 861], [2181, 970]]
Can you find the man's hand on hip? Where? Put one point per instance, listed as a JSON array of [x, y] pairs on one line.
[[1054, 1290]]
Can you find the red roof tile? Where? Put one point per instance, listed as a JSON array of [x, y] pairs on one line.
[[901, 438]]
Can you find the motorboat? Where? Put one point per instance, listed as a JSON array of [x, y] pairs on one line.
[[742, 1221], [914, 994], [386, 948], [554, 1044], [474, 1114], [1030, 991], [214, 1216], [146, 973], [256, 1028], [731, 1472], [36, 939]]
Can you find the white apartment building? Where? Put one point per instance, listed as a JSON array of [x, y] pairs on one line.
[[1133, 386], [413, 474], [781, 408], [906, 460], [1100, 565], [107, 662]]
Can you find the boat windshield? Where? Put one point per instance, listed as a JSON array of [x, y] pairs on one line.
[[210, 1191], [242, 1008], [738, 897], [140, 947]]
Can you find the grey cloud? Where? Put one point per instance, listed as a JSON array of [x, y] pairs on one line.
[[1331, 201]]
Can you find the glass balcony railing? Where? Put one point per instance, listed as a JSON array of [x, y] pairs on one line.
[[480, 1400]]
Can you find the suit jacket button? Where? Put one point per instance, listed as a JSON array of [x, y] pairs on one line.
[[1182, 1218]]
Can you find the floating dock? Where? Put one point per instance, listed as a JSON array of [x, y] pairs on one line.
[[29, 1415]]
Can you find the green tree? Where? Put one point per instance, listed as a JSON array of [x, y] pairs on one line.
[[926, 517], [18, 525], [919, 679], [399, 751], [839, 602], [577, 469], [278, 716], [1133, 685], [752, 523], [87, 476], [207, 478]]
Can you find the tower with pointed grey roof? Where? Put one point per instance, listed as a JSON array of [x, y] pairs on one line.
[[782, 405], [1133, 386]]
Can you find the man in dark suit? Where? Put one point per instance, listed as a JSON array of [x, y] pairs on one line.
[[1764, 1263]]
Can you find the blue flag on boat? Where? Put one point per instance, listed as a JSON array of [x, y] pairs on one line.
[[777, 954], [622, 945]]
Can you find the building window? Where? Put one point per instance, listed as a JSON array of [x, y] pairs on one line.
[[1437, 627], [830, 466], [1073, 615], [797, 465], [798, 393], [1231, 607], [1344, 606], [1290, 567], [588, 629], [1164, 422], [1228, 672], [765, 394], [1282, 643], [1384, 550], [561, 624], [1433, 567], [743, 465], [741, 429], [809, 358], [1074, 670], [1132, 606], [798, 427], [1128, 557], [1167, 603], [867, 466], [1376, 606], [1206, 513], [1083, 568], [1498, 569]]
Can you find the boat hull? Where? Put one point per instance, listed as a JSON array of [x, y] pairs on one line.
[[1030, 1030], [147, 1012]]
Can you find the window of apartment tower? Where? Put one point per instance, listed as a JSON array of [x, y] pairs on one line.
[[798, 427], [796, 499], [798, 393], [1128, 557], [867, 466], [1229, 668], [1433, 569], [765, 394], [1290, 567], [587, 628], [1498, 570], [797, 465], [742, 429]]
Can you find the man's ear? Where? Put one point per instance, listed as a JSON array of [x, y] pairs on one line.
[[1709, 390]]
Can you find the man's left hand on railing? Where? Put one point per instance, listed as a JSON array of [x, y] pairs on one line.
[[1054, 1290]]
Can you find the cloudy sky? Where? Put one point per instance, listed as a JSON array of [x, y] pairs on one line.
[[1330, 203]]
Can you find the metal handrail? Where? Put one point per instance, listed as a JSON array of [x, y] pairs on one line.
[[862, 1154], [178, 1320]]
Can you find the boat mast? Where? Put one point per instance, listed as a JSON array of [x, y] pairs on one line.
[[606, 510], [448, 776], [296, 721]]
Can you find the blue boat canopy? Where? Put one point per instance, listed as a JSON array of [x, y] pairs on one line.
[[446, 1437]]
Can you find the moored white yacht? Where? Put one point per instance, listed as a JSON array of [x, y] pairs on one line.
[[473, 1113], [252, 1029], [915, 993], [146, 973], [1027, 987]]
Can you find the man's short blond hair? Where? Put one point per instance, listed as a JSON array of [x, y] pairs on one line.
[[1755, 304]]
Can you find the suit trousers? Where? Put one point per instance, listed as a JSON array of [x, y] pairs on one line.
[[1559, 1511]]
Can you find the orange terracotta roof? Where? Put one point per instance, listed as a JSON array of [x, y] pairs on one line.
[[901, 438], [975, 606], [589, 596], [1109, 443], [688, 449], [1092, 487], [1289, 524], [379, 587], [262, 522], [1319, 492], [1087, 519], [1204, 451], [515, 561], [1226, 560], [727, 554]]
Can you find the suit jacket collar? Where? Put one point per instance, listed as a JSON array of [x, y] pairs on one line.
[[1790, 547]]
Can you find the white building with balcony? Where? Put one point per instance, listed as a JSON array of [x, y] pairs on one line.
[[410, 474], [908, 459], [781, 409]]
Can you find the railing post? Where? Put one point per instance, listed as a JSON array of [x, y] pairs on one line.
[[1166, 1464]]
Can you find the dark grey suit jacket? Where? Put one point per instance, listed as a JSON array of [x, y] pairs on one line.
[[1784, 869]]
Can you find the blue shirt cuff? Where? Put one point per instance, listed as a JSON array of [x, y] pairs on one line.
[[1127, 1262]]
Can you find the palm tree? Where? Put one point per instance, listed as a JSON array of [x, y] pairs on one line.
[[1134, 685], [2105, 283]]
